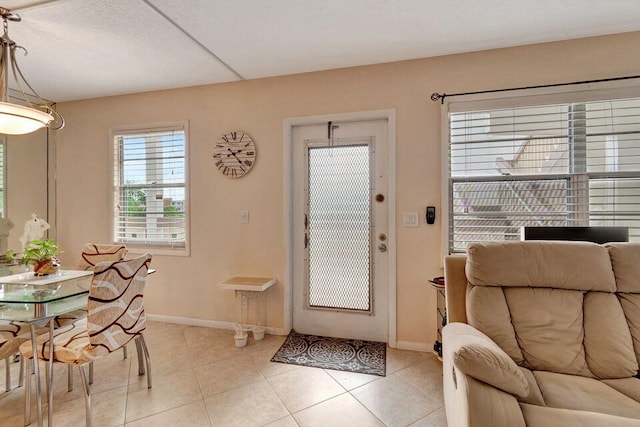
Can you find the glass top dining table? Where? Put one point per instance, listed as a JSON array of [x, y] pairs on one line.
[[27, 298]]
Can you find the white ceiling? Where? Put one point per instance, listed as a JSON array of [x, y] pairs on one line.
[[91, 48]]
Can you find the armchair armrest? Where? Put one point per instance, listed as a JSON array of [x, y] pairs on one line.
[[475, 354], [472, 402]]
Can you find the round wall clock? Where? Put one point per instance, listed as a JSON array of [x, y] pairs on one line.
[[234, 154]]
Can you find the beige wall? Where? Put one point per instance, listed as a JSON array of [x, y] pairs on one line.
[[184, 287]]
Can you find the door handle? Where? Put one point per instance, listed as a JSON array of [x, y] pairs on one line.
[[382, 247]]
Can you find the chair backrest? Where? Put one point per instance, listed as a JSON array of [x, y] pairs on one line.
[[115, 308], [94, 253]]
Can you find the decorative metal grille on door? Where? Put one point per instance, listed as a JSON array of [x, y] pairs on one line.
[[338, 227]]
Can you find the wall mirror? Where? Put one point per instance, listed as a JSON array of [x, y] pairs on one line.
[[28, 181]]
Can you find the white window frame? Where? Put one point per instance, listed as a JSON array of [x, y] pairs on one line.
[[586, 92], [155, 249]]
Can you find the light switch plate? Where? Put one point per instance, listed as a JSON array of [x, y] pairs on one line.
[[410, 219], [244, 217]]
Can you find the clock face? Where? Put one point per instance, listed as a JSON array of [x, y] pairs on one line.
[[234, 154]]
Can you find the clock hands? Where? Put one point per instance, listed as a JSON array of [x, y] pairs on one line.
[[234, 155]]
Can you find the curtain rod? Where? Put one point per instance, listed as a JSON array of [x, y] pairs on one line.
[[435, 96]]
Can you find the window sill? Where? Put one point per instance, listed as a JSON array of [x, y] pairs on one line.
[[155, 250]]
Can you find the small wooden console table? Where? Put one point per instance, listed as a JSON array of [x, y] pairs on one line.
[[246, 288]]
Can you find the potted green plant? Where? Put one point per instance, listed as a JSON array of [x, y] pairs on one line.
[[42, 255]]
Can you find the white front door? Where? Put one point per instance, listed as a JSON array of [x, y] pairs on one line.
[[340, 230]]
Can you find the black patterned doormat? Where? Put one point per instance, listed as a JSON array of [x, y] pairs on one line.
[[363, 357]]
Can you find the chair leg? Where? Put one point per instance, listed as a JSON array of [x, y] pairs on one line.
[[21, 374], [69, 378], [7, 370], [147, 359], [49, 377], [87, 395], [27, 391], [140, 360]]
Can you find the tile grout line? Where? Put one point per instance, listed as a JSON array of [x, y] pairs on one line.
[[193, 371]]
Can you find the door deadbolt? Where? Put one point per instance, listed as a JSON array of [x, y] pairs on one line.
[[382, 247]]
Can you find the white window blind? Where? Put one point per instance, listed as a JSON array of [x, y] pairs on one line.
[[571, 164], [150, 204]]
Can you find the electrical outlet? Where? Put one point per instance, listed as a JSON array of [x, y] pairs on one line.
[[244, 217]]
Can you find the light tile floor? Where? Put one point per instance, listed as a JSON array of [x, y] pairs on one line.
[[201, 379]]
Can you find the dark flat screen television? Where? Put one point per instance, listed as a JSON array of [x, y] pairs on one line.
[[586, 234]]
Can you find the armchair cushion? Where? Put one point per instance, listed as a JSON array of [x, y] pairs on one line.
[[627, 386], [478, 356], [540, 416], [585, 394]]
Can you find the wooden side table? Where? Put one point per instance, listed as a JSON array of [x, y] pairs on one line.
[[249, 288]]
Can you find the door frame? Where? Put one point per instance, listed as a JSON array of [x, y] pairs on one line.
[[287, 131]]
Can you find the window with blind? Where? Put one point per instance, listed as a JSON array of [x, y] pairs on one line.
[[150, 188], [566, 164]]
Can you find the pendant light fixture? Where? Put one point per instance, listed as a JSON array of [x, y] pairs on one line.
[[25, 116]]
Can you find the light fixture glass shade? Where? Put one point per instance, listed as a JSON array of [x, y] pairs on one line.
[[25, 116], [17, 119]]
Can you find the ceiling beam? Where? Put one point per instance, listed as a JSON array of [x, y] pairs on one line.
[[196, 41]]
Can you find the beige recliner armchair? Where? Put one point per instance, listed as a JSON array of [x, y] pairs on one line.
[[543, 334]]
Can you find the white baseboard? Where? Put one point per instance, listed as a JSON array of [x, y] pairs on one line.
[[209, 323], [415, 346], [401, 345]]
